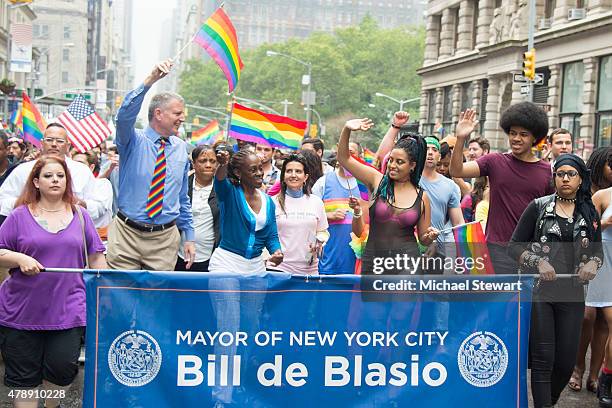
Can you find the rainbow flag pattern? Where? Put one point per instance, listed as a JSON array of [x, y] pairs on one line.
[[33, 123], [209, 134], [363, 189], [470, 243], [369, 156], [252, 125], [218, 37], [334, 204], [17, 120]]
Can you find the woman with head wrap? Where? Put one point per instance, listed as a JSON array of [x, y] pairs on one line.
[[398, 205], [559, 234]]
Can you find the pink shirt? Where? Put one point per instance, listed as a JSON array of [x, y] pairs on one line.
[[297, 228]]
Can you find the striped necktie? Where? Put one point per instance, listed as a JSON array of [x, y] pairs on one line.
[[155, 200]]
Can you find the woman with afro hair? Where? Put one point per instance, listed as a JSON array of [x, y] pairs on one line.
[[515, 178]]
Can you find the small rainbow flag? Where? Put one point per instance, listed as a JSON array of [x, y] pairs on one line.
[[218, 37], [17, 119], [470, 243], [33, 123], [209, 134], [252, 125], [369, 156], [363, 189]]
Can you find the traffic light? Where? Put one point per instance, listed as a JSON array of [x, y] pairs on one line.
[[196, 121], [118, 101], [314, 131], [529, 68]]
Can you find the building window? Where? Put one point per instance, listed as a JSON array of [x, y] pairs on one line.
[[64, 77], [604, 103], [483, 101], [66, 55], [428, 126], [66, 32], [474, 22], [40, 31], [447, 108], [571, 97], [467, 91], [549, 8], [455, 14]]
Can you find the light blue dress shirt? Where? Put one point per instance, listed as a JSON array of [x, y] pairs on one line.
[[137, 155]]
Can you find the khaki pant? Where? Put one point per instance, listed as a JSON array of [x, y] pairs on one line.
[[131, 249]]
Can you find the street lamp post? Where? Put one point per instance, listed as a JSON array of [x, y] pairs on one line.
[[308, 101], [321, 125], [400, 101]]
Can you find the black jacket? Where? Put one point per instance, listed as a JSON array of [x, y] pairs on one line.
[[214, 207]]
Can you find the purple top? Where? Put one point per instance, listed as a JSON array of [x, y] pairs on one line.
[[49, 300], [514, 184]]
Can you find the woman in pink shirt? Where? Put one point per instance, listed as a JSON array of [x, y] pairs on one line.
[[300, 218]]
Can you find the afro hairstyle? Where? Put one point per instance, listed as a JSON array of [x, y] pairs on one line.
[[527, 115]]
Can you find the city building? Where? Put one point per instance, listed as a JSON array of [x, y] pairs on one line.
[[10, 14], [473, 48], [272, 21]]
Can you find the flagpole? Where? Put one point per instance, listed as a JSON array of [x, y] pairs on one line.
[[184, 47], [228, 120], [457, 226]]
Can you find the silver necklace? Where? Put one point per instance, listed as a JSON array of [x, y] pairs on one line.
[[50, 211], [570, 218]]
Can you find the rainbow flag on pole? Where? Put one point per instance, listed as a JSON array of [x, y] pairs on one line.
[[17, 119], [209, 134], [218, 37], [470, 243], [33, 123], [252, 125]]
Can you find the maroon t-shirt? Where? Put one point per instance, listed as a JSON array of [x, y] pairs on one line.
[[513, 185]]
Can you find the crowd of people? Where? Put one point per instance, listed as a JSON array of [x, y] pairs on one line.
[[150, 202]]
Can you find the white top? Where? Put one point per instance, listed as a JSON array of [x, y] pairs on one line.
[[83, 184], [225, 261], [203, 223], [261, 216]]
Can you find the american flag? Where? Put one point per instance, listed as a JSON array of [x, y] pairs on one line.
[[22, 34], [86, 129]]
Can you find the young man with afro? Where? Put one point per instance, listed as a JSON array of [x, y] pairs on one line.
[[515, 178]]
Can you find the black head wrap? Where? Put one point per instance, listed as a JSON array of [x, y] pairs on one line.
[[584, 204]]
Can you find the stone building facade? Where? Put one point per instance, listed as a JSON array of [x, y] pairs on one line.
[[473, 48]]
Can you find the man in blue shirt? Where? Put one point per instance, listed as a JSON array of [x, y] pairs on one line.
[[152, 199]]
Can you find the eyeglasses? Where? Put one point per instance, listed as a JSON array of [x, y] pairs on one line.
[[58, 141], [570, 173]]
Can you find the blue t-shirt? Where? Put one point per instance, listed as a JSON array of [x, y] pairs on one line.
[[443, 194]]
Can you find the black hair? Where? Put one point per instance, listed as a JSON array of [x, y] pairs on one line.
[[199, 149], [315, 166], [113, 149], [235, 163], [527, 115], [298, 158], [480, 185], [4, 140], [416, 148], [584, 202], [596, 164], [359, 148], [315, 142], [445, 150]]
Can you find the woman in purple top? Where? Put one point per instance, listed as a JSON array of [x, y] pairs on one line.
[[42, 316]]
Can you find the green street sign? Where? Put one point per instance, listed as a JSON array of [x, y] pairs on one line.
[[72, 96]]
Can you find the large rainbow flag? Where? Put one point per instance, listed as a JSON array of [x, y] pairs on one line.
[[470, 243], [252, 125], [33, 123], [218, 37], [209, 134]]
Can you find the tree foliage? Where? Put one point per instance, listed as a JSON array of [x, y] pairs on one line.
[[348, 68]]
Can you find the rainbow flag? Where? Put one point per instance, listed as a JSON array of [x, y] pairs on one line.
[[209, 134], [470, 243], [252, 125], [17, 119], [218, 37], [369, 156], [33, 123]]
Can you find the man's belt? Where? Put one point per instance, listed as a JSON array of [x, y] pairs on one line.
[[141, 226]]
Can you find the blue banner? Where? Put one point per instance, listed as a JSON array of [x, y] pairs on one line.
[[168, 339]]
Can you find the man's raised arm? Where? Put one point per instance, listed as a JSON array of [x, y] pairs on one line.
[[466, 125], [128, 112]]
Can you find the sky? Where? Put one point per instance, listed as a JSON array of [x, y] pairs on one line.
[[147, 31]]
